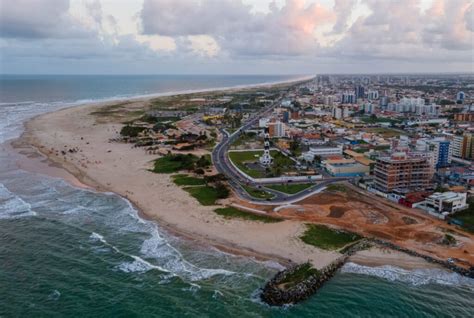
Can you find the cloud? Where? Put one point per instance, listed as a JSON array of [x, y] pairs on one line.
[[400, 30], [37, 19], [235, 28]]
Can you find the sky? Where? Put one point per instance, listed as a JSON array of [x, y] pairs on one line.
[[235, 36]]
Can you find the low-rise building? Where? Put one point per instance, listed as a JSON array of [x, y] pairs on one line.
[[445, 203], [345, 168], [322, 151]]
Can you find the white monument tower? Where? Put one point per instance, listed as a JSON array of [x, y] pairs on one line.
[[266, 159]]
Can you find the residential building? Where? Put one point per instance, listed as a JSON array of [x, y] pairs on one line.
[[359, 92], [463, 146], [340, 112], [276, 129], [442, 152], [369, 108], [460, 96], [348, 98], [464, 117], [372, 95], [401, 170]]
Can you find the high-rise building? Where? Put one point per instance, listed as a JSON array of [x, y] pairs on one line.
[[359, 91], [372, 95], [369, 108], [349, 98], [403, 171], [460, 96], [442, 152], [340, 112], [384, 101], [276, 129], [463, 146]]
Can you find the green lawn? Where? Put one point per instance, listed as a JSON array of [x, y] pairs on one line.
[[185, 180], [326, 238], [239, 158], [206, 195], [290, 188], [231, 212], [257, 193]]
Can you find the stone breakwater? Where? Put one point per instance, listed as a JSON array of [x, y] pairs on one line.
[[277, 293], [468, 272]]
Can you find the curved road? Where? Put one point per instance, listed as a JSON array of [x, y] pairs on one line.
[[235, 178]]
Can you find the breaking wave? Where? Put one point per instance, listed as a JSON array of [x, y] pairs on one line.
[[12, 206], [415, 277]]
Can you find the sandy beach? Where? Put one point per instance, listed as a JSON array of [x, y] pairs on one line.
[[122, 169]]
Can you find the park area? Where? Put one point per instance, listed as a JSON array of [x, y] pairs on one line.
[[248, 162]]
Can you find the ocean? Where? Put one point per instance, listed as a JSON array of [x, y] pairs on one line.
[[67, 251]]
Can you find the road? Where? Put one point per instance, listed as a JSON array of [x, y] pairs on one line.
[[235, 178]]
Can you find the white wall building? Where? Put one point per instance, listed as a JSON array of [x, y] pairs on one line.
[[322, 151], [446, 202]]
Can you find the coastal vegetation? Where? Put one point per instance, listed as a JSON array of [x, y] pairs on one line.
[[231, 212], [185, 180], [301, 273], [327, 238], [290, 188], [179, 162], [208, 194], [131, 131]]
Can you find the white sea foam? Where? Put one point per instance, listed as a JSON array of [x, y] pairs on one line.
[[414, 277], [12, 206]]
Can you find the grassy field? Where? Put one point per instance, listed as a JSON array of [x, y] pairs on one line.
[[231, 212], [256, 193], [206, 195], [327, 238], [239, 158], [291, 188], [467, 217], [185, 180]]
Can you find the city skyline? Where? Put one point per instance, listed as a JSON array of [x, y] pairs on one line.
[[236, 37]]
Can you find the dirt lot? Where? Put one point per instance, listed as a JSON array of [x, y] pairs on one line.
[[371, 216]]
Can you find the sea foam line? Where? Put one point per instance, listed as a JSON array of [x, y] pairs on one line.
[[415, 277]]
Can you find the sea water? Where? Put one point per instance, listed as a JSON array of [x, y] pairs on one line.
[[66, 251]]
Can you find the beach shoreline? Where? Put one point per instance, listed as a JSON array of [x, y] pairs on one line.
[[75, 127]]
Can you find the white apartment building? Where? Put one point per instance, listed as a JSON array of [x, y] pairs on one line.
[[340, 112]]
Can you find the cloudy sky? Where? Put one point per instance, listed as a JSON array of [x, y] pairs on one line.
[[235, 36]]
